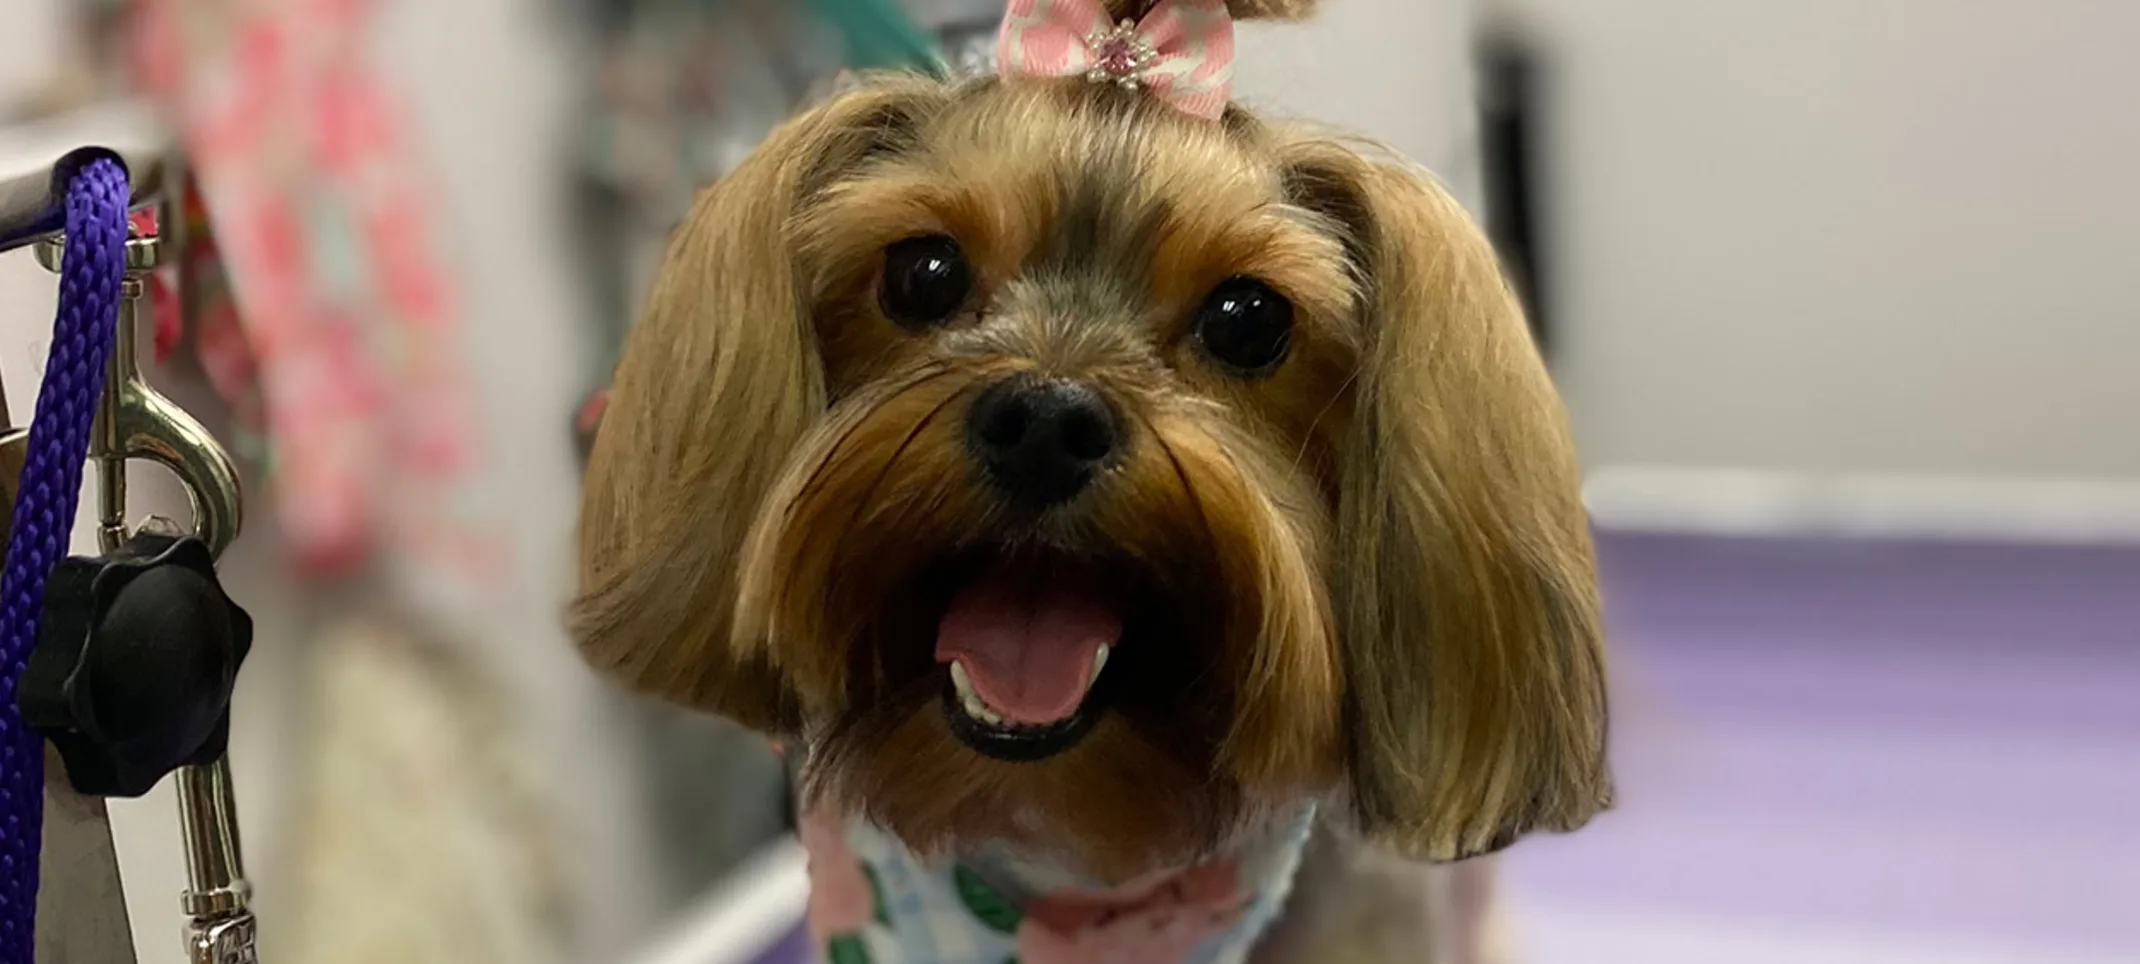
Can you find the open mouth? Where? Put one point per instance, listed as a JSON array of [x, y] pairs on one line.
[[1024, 646]]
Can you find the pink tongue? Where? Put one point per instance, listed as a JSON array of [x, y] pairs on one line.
[[1027, 641]]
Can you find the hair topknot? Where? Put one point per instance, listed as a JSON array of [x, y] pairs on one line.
[[1242, 9], [1271, 9]]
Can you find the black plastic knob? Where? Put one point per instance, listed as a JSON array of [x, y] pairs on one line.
[[134, 665]]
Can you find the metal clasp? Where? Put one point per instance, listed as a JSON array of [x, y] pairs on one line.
[[135, 421]]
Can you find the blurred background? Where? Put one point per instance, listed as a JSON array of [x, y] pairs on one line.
[[1842, 297]]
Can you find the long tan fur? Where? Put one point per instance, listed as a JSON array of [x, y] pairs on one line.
[[1466, 586], [717, 385]]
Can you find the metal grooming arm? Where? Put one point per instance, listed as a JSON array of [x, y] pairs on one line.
[[32, 202], [82, 916]]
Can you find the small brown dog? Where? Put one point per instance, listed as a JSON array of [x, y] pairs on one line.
[[1071, 476]]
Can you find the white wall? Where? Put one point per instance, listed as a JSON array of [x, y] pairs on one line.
[[1394, 70], [1833, 236]]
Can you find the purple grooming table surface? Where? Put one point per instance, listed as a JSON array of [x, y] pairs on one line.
[[1931, 742], [792, 949]]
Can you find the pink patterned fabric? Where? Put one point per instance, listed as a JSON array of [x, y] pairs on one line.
[[349, 322], [1158, 920], [874, 901], [1181, 52], [842, 901]]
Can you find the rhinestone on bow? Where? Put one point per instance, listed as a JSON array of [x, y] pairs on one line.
[[1120, 55]]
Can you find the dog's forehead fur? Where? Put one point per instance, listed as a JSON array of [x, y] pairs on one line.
[[1097, 222], [1086, 183]]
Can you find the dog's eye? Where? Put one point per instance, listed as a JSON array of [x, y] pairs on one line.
[[926, 280], [1246, 326]]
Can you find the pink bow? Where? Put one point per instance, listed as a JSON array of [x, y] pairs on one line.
[[1181, 52]]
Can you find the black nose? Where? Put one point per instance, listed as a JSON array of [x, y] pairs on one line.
[[1040, 441]]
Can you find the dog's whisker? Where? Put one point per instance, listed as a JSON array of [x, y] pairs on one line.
[[868, 493], [1181, 476], [1307, 439], [829, 592], [834, 584], [1257, 682], [817, 473]]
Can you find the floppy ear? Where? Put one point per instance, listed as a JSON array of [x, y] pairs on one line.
[[1467, 596], [718, 382]]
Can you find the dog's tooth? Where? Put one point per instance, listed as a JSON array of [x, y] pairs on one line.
[[970, 699], [1099, 662]]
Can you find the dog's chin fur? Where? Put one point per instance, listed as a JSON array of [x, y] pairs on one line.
[[1363, 577]]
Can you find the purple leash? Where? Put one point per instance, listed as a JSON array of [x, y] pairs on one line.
[[90, 274]]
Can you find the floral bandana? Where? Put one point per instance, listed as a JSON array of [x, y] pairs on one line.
[[873, 901]]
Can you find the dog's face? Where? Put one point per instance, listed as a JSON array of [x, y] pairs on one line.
[[1060, 469]]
